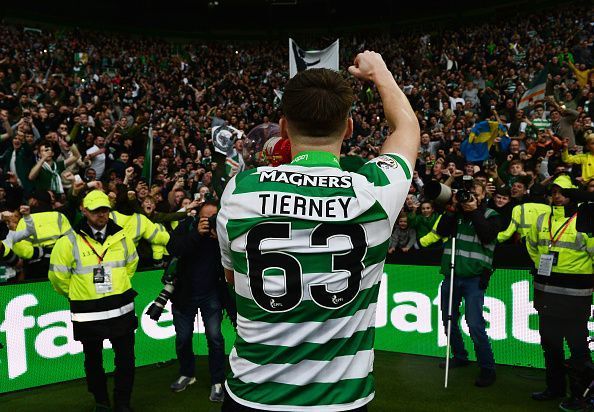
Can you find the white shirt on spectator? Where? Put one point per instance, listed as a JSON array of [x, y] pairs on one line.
[[454, 100], [98, 162], [13, 166]]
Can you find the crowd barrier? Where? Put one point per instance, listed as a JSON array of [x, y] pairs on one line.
[[38, 347]]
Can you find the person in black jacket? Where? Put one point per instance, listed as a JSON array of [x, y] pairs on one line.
[[197, 286]]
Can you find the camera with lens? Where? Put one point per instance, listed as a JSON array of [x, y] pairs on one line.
[[156, 309], [442, 194], [463, 196]]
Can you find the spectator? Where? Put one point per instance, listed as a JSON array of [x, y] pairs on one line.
[[423, 223], [501, 203], [586, 160], [519, 189], [46, 172], [562, 122], [403, 237], [18, 160], [582, 74], [470, 94], [98, 156]]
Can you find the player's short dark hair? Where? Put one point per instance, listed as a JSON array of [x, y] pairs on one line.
[[316, 102]]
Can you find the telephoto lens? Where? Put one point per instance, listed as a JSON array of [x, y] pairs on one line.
[[155, 310]]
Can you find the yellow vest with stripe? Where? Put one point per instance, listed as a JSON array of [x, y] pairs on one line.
[[71, 270], [472, 256], [9, 258], [160, 250], [572, 274], [523, 217], [138, 227], [432, 237], [46, 228]]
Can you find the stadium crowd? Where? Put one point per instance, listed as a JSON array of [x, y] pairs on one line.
[[78, 108]]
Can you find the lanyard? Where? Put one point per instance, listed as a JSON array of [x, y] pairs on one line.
[[555, 238], [99, 257]]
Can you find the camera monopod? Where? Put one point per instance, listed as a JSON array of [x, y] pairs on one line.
[[452, 264]]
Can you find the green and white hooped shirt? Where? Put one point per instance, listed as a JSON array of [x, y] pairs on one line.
[[307, 242]]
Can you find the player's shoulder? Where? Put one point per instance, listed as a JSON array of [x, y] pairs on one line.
[[381, 169], [239, 177]]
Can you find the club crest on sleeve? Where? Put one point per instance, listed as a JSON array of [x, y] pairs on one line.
[[386, 162]]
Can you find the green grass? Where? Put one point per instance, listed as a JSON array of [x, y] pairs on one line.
[[404, 383]]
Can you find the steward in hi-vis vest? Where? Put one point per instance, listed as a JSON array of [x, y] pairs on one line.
[[92, 267], [563, 286]]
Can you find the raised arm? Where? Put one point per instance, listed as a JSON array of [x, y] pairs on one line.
[[38, 166], [6, 124], [405, 137], [73, 158]]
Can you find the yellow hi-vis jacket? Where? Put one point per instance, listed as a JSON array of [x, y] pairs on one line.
[[138, 227], [71, 274], [8, 256], [432, 237], [572, 273], [45, 229], [522, 219]]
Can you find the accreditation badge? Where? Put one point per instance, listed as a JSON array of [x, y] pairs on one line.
[[102, 279], [545, 266]]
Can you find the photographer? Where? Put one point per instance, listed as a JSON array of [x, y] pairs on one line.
[[475, 227], [197, 286]]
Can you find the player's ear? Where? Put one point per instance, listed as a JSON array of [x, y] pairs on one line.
[[349, 129], [284, 128]]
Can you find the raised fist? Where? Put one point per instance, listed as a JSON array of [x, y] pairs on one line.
[[368, 65], [24, 210]]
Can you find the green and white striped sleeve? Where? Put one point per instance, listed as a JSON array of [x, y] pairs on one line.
[[222, 219], [390, 176]]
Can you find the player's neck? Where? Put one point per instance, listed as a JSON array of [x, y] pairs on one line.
[[297, 148]]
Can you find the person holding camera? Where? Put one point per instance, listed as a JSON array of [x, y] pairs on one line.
[[563, 286], [475, 228], [197, 286]]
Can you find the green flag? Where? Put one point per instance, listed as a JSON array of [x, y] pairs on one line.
[[147, 166]]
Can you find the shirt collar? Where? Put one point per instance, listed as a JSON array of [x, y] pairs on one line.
[[102, 231], [310, 158]]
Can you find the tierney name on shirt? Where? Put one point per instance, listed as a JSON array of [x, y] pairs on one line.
[[292, 205]]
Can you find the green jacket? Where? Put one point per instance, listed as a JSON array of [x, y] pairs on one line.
[[422, 224], [472, 256]]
